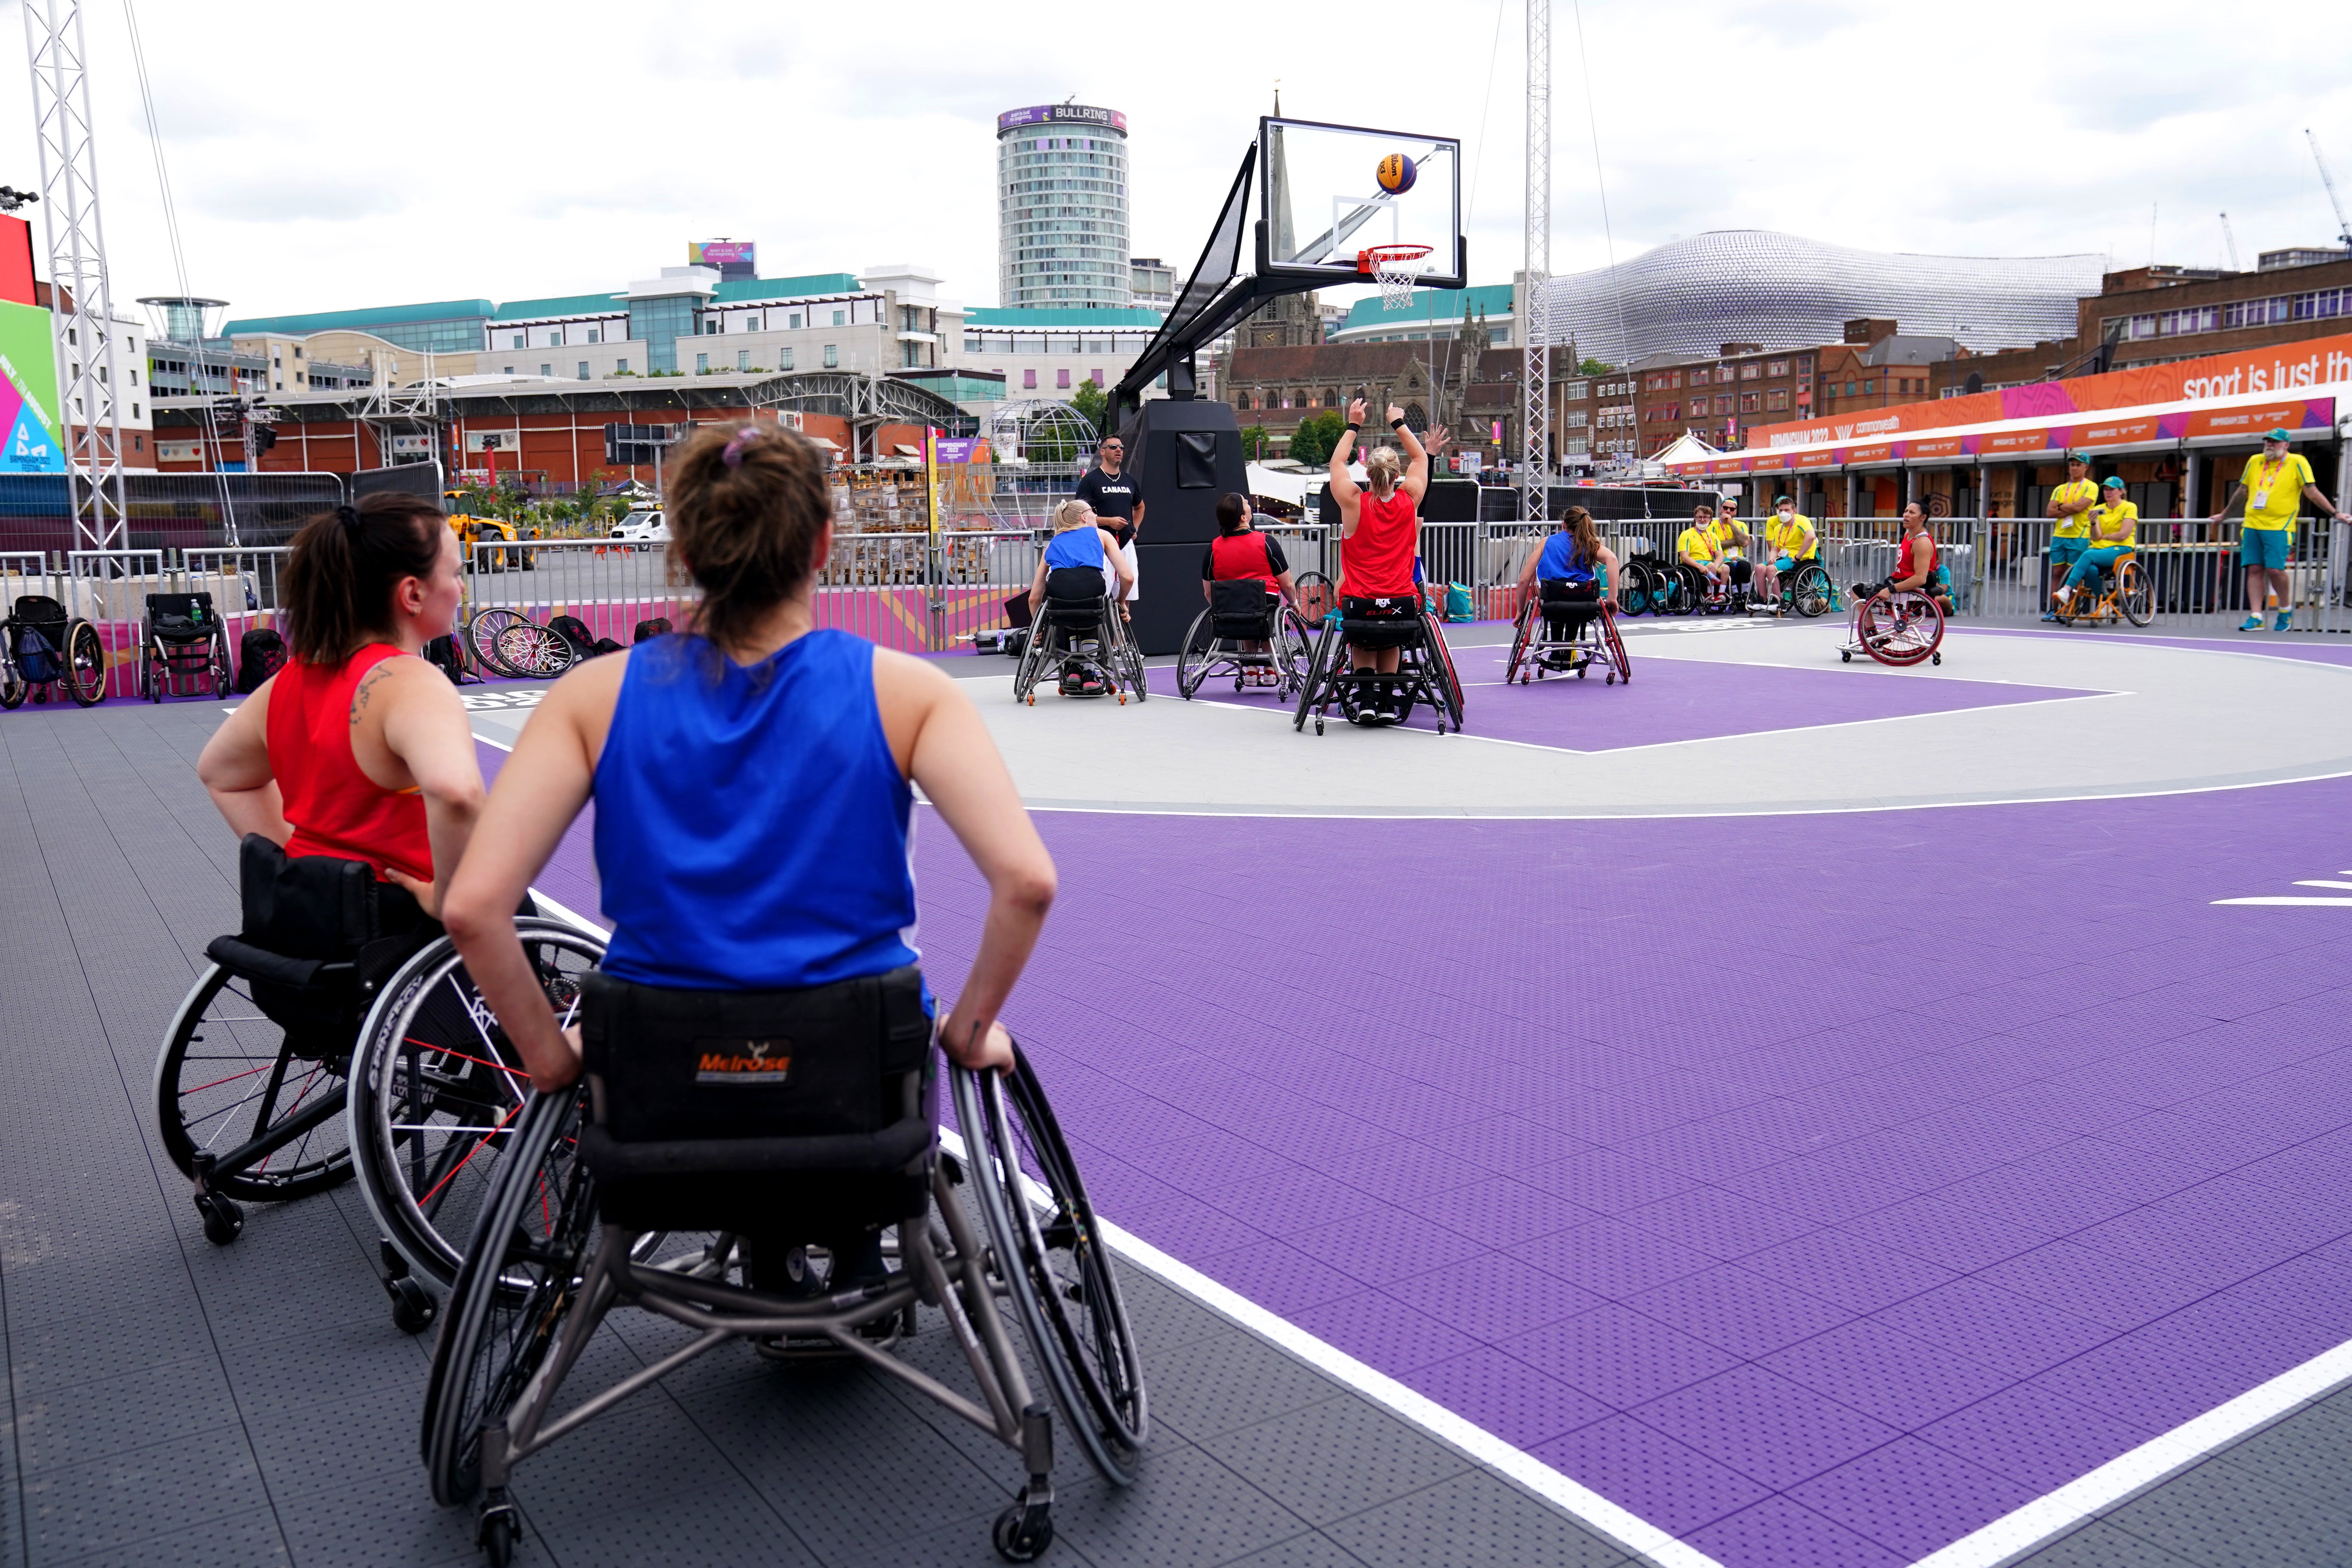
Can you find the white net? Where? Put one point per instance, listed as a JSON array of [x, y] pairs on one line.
[[1396, 270]]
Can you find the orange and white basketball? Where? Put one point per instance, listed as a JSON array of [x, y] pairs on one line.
[[1395, 173]]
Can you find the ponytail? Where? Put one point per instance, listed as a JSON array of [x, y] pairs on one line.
[[339, 578]]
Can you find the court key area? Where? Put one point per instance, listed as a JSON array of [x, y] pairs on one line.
[[1775, 1112]]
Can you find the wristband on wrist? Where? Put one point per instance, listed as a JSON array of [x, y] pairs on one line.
[[1396, 423], [1355, 429]]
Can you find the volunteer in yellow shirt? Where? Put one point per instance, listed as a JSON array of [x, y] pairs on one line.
[[1732, 542], [2275, 486], [1702, 547], [1789, 541], [2071, 505], [2114, 532]]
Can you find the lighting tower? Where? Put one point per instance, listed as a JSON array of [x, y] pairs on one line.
[[88, 365], [1535, 303]]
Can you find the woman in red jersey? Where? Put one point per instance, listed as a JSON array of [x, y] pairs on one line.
[[358, 748], [1382, 528]]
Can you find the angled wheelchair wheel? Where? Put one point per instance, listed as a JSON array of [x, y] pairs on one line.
[[230, 1077], [535, 651], [1061, 1278], [1520, 637], [1192, 658], [1035, 655], [1293, 650], [1441, 668], [1901, 628], [1312, 694], [1810, 594], [483, 629], [1130, 656], [2133, 595], [436, 1090], [524, 1261], [85, 665], [1316, 597]]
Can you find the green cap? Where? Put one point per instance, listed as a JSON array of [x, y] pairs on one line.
[[1779, 500], [2111, 483], [2081, 457], [2278, 435]]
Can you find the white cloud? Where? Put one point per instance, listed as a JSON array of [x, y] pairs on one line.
[[345, 154]]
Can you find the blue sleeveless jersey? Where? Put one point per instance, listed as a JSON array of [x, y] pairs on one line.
[[752, 831], [1560, 561], [1075, 547]]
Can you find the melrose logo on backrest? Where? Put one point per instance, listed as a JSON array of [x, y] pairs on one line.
[[733, 1063]]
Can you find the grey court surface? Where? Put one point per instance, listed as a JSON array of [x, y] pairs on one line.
[[172, 1402], [176, 1402]]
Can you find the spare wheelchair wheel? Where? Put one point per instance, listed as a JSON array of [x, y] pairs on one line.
[[535, 652], [85, 665], [1062, 1283], [437, 1091], [1316, 597], [483, 629], [1520, 636]]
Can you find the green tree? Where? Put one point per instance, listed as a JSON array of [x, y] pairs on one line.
[[1095, 403], [1316, 437], [1594, 367], [1254, 440]]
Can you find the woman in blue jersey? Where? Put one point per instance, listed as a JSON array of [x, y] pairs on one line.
[[1574, 564], [751, 779], [1073, 567]]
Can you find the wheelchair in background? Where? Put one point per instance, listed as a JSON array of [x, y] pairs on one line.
[[685, 1176], [1560, 633], [45, 650], [1240, 612], [1084, 639], [1806, 588], [1895, 627], [183, 642], [1424, 671], [2123, 594]]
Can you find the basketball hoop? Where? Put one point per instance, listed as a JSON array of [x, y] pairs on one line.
[[1395, 267]]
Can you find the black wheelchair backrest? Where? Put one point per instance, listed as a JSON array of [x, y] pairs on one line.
[[196, 607], [38, 610], [1240, 596], [305, 906], [669, 1064]]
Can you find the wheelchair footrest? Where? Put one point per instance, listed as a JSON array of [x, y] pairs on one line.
[[892, 1148]]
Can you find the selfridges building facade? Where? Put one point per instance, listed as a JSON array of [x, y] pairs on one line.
[[1691, 296]]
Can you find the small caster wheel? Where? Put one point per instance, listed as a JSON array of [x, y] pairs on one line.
[[222, 1218], [1033, 699], [1935, 658], [40, 695], [1319, 726], [413, 1305], [1023, 1534], [1844, 658], [1580, 675], [497, 1534], [1608, 680]]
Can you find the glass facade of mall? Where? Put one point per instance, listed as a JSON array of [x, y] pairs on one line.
[[1061, 196]]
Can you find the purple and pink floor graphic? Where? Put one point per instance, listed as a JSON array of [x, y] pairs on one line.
[[1819, 1189]]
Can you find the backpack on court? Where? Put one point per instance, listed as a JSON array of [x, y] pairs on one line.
[[260, 653], [37, 659], [648, 630], [1459, 606], [447, 658], [585, 644]]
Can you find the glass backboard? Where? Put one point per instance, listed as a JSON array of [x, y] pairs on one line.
[[1327, 193]]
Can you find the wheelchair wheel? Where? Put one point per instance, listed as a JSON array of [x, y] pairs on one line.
[[1520, 636], [86, 662], [483, 629], [1292, 650], [535, 651], [1810, 594], [522, 1268], [228, 1075], [1316, 597], [1901, 630], [1673, 594], [1064, 1288], [1192, 659], [1311, 691], [2133, 596], [224, 672], [13, 687], [1441, 668], [436, 1090]]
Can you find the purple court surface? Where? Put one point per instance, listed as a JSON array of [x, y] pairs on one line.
[[1820, 1189]]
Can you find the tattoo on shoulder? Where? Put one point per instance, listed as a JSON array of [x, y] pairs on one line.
[[366, 689]]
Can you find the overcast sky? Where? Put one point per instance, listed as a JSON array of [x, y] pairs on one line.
[[334, 155]]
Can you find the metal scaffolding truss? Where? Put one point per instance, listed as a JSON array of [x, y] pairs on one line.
[[865, 401], [1535, 295], [89, 367]]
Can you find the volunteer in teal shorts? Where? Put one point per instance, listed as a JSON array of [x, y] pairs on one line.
[[2070, 503], [2274, 485]]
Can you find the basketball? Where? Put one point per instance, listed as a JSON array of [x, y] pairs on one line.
[[1395, 173]]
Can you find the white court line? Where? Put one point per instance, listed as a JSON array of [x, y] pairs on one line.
[[2289, 903], [1585, 1506], [2159, 1459]]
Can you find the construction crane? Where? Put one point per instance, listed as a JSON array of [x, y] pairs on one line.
[[2343, 224], [2230, 239]]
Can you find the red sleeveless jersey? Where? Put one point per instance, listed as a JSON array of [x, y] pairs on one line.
[[1909, 565], [1235, 556], [335, 808], [1377, 559]]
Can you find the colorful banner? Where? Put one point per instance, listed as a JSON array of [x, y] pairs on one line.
[[2301, 414], [2280, 368], [29, 392], [1876, 452], [2008, 443]]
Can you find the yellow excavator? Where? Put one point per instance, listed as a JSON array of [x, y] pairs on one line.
[[472, 530]]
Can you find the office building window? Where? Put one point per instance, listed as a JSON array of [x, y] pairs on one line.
[[783, 359], [793, 320], [621, 367], [1747, 403], [841, 317], [1029, 379], [1062, 380], [702, 364], [583, 370], [595, 334], [1096, 377], [547, 370], [742, 359], [517, 340], [832, 357]]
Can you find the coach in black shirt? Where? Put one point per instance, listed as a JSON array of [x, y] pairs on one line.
[[1116, 500]]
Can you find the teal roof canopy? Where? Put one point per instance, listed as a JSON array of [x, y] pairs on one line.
[[1494, 299], [361, 320]]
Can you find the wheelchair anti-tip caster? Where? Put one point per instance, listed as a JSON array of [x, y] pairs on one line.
[[413, 1305], [1844, 657], [497, 1531], [1937, 658], [222, 1218], [1024, 1532]]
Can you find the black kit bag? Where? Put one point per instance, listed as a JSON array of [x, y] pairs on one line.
[[260, 653]]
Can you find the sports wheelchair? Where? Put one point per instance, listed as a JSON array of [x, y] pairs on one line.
[[1241, 611], [43, 650], [1683, 589], [1081, 637], [1424, 671], [1805, 588], [1897, 626], [1559, 632], [2122, 593], [662, 1183], [182, 641]]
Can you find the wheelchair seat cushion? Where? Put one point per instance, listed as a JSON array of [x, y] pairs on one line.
[[1241, 607], [179, 629], [1375, 623]]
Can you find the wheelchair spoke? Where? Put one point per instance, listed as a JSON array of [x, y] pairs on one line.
[[476, 1149]]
